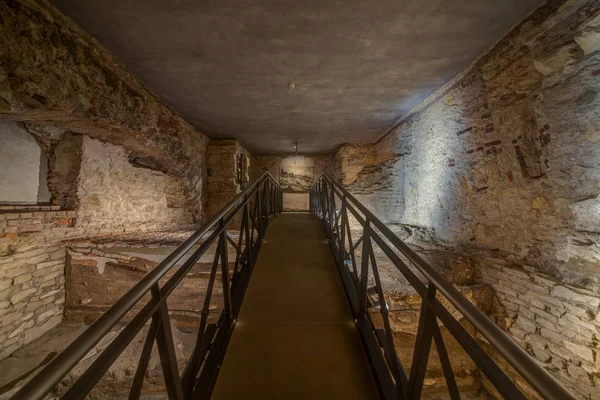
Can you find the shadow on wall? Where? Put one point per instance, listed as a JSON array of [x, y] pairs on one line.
[[430, 196], [410, 179], [23, 167]]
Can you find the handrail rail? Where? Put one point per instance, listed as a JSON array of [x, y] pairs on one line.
[[267, 196], [323, 197]]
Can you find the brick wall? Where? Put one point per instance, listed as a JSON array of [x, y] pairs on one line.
[[557, 323], [32, 272]]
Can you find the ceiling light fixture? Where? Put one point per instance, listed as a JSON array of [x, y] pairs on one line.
[[291, 85], [296, 147]]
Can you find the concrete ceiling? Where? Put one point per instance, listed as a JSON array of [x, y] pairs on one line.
[[357, 65]]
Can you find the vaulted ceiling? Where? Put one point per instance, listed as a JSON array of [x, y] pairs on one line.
[[273, 72]]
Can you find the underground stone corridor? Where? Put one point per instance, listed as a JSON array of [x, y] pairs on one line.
[[329, 200]]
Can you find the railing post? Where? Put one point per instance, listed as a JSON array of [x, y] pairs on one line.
[[138, 379], [313, 193], [325, 207], [227, 311], [422, 347], [332, 212], [322, 200], [259, 211], [445, 361], [265, 210], [249, 259], [342, 239], [195, 362], [274, 199], [166, 350], [354, 272], [364, 269], [389, 348], [314, 196], [271, 199], [318, 199], [267, 201], [274, 195], [238, 266]]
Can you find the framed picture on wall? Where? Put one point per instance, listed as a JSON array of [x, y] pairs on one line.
[[296, 179]]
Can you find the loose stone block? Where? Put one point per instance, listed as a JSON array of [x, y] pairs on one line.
[[580, 351]]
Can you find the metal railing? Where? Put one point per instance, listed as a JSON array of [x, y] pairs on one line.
[[254, 207], [332, 203]]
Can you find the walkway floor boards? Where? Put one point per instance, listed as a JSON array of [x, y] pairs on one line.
[[295, 337]]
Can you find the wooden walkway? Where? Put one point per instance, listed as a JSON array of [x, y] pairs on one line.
[[295, 337]]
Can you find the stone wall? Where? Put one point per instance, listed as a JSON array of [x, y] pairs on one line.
[[223, 162], [555, 322], [119, 160], [503, 164], [109, 195], [53, 74], [350, 159], [115, 196], [32, 264]]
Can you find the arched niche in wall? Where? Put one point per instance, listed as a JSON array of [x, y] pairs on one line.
[[23, 167]]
